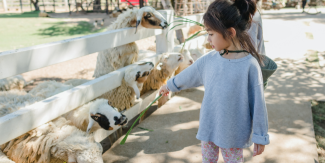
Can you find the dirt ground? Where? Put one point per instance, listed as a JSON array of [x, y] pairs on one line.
[[83, 67]]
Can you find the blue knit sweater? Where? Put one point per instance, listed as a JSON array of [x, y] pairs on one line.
[[233, 112]]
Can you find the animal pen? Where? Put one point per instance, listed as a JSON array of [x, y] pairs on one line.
[[31, 58]]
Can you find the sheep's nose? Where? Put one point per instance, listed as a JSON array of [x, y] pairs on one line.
[[191, 61]]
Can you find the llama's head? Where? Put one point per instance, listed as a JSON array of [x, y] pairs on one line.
[[105, 115], [148, 17], [137, 74], [170, 62]]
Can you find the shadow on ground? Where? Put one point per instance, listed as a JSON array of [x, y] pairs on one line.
[[69, 29]]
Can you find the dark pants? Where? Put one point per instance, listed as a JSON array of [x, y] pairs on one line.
[[303, 4]]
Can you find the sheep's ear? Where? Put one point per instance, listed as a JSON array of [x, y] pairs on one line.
[[90, 125], [139, 18]]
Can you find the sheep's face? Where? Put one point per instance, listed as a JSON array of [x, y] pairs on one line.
[[170, 61], [105, 115], [142, 71], [188, 60], [150, 18]]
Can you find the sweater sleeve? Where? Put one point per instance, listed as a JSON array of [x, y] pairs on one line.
[[259, 115], [188, 78]]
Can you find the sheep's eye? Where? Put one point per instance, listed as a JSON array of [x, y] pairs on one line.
[[95, 117], [148, 15]]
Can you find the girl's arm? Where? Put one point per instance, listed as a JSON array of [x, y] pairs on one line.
[[188, 78], [259, 115]]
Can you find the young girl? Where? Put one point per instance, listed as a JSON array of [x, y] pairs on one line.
[[233, 114]]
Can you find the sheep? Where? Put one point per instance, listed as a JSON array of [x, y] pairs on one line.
[[14, 82], [46, 143], [188, 60], [4, 158], [106, 116], [54, 142], [123, 97], [12, 100], [164, 69], [115, 58], [115, 13], [85, 116], [49, 88]]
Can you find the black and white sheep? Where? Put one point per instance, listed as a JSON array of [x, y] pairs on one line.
[[85, 116]]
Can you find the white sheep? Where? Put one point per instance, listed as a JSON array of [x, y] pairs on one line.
[[14, 82], [123, 97], [48, 142], [54, 142], [188, 60], [163, 70], [4, 158], [115, 58]]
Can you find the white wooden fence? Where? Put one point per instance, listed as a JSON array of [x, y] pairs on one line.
[[27, 59]]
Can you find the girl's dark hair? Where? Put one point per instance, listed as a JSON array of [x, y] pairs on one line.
[[224, 14]]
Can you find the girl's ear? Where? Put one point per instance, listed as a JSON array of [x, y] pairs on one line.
[[232, 32]]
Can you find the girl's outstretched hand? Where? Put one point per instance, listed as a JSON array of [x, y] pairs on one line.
[[164, 91], [258, 149]]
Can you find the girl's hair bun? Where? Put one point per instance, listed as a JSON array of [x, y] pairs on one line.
[[247, 8]]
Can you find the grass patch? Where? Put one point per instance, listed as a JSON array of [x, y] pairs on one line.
[[318, 110], [24, 32], [312, 59], [309, 35], [20, 15]]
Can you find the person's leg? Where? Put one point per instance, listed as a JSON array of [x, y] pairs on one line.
[[303, 5], [210, 152], [232, 155]]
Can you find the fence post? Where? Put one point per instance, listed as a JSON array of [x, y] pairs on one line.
[[66, 5], [5, 7], [163, 43]]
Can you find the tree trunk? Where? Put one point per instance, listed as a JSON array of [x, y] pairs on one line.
[[35, 4], [97, 6]]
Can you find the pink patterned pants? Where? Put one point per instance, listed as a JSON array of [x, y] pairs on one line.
[[210, 153]]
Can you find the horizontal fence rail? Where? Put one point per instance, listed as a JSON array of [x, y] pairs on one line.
[[26, 59]]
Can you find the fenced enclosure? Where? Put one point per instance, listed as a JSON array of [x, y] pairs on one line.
[[27, 59]]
